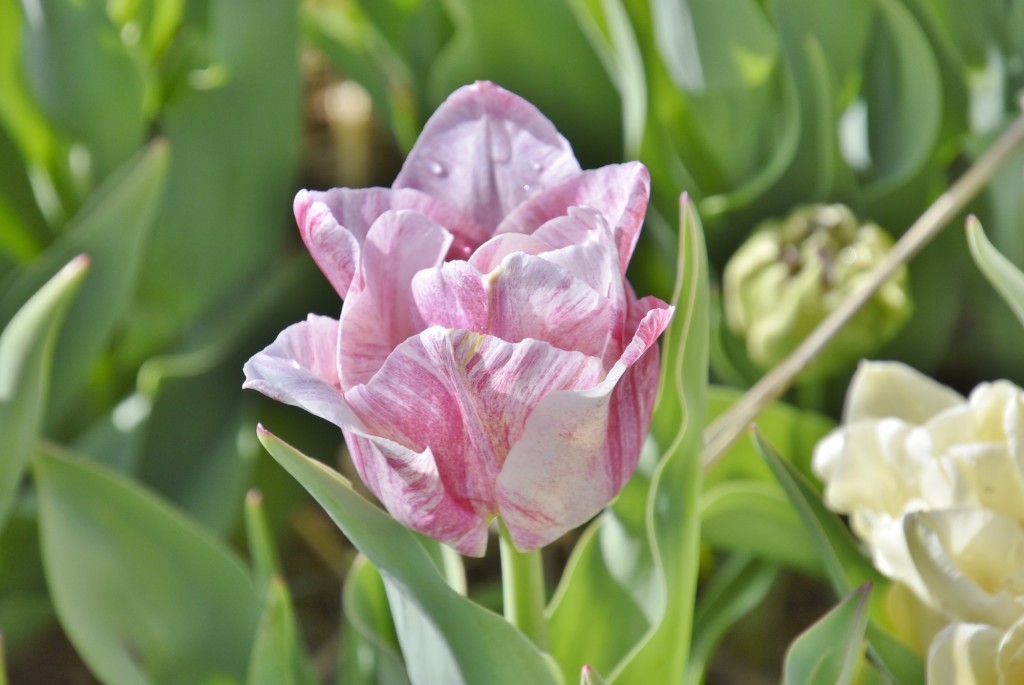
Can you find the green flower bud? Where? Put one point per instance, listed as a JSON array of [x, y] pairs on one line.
[[791, 274]]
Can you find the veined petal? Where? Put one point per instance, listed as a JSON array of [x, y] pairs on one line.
[[378, 313], [452, 295], [299, 369], [489, 256], [484, 151], [964, 654], [409, 486], [465, 397], [964, 557], [619, 192], [580, 446], [532, 297], [334, 225], [891, 389]]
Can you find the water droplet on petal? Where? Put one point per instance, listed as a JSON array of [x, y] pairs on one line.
[[537, 167], [527, 187], [437, 169]]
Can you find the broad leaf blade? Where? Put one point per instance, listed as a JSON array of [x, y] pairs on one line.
[[828, 652], [844, 563], [110, 229], [445, 637], [142, 592], [26, 350]]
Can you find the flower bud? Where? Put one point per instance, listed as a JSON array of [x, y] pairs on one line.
[[791, 274]]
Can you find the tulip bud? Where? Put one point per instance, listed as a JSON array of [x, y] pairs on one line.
[[791, 274]]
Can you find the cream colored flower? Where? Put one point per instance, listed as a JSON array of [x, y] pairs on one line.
[[933, 483]]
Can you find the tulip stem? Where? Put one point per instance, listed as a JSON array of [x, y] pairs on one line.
[[522, 583]]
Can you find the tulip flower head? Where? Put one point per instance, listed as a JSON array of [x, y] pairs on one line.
[[490, 358]]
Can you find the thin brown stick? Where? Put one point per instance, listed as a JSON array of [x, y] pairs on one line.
[[724, 431]]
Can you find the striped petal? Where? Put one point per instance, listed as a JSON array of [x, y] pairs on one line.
[[299, 369], [485, 151], [465, 398], [580, 446], [619, 192], [378, 314], [334, 225]]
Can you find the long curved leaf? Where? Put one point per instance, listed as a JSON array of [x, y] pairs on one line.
[[26, 351], [445, 637]]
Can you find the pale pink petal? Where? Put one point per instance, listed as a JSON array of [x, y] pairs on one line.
[[334, 225], [532, 297], [619, 192], [488, 256], [378, 313], [580, 446], [298, 368], [465, 396], [577, 226], [451, 296], [408, 485], [484, 151]]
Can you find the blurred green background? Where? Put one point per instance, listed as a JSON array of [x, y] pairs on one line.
[[166, 139]]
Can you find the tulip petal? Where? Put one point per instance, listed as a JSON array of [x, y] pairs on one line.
[[378, 314], [964, 654], [532, 297], [334, 225], [299, 369], [619, 192], [580, 446], [467, 396], [484, 151], [452, 296], [891, 389], [409, 486], [963, 556]]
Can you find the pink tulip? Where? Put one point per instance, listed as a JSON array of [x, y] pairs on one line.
[[490, 359]]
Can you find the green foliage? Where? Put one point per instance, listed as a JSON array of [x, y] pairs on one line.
[[446, 637], [632, 577], [26, 357], [828, 653], [144, 594]]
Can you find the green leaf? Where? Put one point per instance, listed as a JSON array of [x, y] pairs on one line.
[[641, 555], [26, 352], [903, 90], [144, 595], [277, 654], [110, 229], [829, 652], [370, 654], [262, 548], [710, 45], [672, 511], [85, 79], [844, 563], [1004, 276], [755, 517], [736, 589], [445, 637], [234, 128], [606, 23]]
